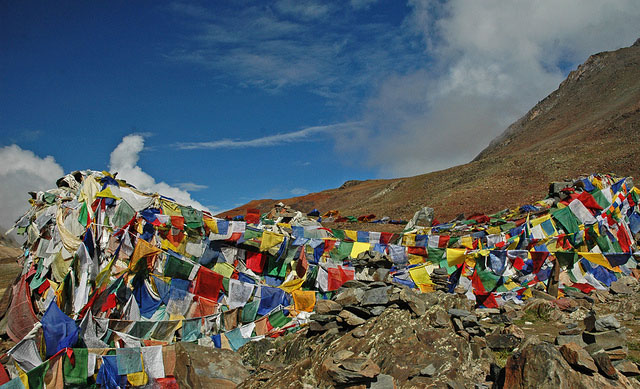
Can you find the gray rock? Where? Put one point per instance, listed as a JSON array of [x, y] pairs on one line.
[[459, 312], [376, 296], [383, 381], [470, 321], [377, 310], [381, 274], [564, 339], [376, 284], [414, 302], [428, 371], [606, 323], [607, 339], [322, 318], [351, 296], [571, 331], [206, 367]]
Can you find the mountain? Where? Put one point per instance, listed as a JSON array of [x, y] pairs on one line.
[[590, 124]]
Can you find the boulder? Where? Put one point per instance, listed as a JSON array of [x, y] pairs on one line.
[[620, 287], [607, 339], [376, 296], [564, 339], [351, 318], [206, 367], [605, 367], [498, 341], [351, 296], [578, 358], [409, 297], [627, 368], [351, 370], [327, 307], [606, 323], [454, 312]]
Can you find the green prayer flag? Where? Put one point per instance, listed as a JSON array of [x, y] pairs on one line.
[[36, 376], [249, 311], [176, 268], [77, 373]]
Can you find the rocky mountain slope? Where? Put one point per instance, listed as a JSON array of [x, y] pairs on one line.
[[591, 123]]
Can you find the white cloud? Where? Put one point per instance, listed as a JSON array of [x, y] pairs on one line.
[[191, 186], [21, 171], [299, 191], [494, 61], [124, 161], [271, 140]]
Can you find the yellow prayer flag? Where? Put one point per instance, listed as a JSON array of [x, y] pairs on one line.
[[598, 259], [212, 224], [224, 269], [494, 230], [419, 275], [456, 257], [415, 259], [143, 249], [467, 241], [270, 239], [291, 285], [359, 247], [138, 379], [409, 240], [106, 192], [353, 235]]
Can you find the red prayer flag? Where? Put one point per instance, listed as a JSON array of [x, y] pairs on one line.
[[208, 283]]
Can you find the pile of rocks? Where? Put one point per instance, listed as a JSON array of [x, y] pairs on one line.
[[440, 278], [601, 347], [356, 302]]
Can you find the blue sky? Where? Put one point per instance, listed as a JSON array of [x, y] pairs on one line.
[[223, 102]]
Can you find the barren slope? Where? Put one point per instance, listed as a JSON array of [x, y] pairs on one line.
[[591, 123]]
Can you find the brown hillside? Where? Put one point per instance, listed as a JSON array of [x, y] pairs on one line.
[[591, 123]]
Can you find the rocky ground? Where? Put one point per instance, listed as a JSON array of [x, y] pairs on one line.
[[379, 335]]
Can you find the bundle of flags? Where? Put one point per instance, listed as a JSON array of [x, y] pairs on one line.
[[112, 276]]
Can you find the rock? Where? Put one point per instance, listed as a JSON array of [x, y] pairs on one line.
[[409, 297], [459, 312], [514, 330], [440, 319], [607, 339], [376, 284], [606, 323], [206, 367], [627, 368], [454, 385], [428, 371], [578, 358], [322, 318], [593, 348], [354, 284], [540, 365], [327, 307], [351, 318], [604, 365], [620, 287], [590, 321], [383, 381], [351, 296], [358, 310], [377, 310], [498, 341], [470, 321], [576, 294], [564, 339], [542, 295], [457, 324], [571, 331], [376, 296], [617, 354], [351, 370], [381, 274], [358, 333]]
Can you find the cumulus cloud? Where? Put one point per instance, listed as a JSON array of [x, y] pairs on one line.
[[493, 61], [124, 160], [22, 171]]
